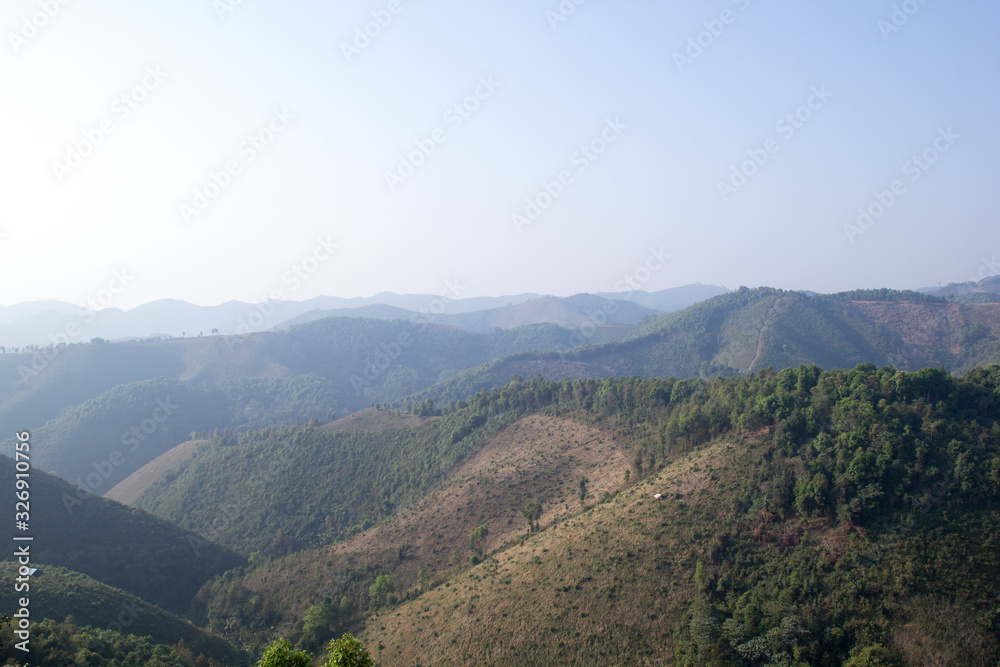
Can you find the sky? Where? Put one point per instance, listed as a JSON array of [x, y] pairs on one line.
[[210, 150]]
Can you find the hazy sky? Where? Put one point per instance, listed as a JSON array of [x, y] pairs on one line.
[[208, 150]]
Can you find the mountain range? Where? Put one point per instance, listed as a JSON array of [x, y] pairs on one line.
[[580, 479], [51, 322]]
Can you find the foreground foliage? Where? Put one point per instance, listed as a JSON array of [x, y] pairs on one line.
[[344, 652]]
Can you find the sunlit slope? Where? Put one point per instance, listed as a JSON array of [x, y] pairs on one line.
[[538, 457], [129, 489]]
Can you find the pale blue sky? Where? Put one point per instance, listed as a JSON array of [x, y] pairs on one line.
[[678, 134]]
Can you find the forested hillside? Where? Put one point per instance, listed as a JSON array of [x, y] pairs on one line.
[[282, 490], [95, 619], [144, 419], [797, 508], [119, 546], [748, 330], [89, 397]]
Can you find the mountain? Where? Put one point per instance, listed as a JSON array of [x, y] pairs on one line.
[[90, 397], [321, 484], [119, 546], [751, 329], [671, 299], [804, 517], [32, 308], [104, 440], [986, 290], [53, 322], [574, 312], [44, 323]]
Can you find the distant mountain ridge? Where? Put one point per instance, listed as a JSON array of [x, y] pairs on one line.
[[51, 322], [87, 399], [572, 312]]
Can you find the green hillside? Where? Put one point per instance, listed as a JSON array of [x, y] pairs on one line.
[[281, 490], [747, 330], [59, 594], [36, 387], [85, 399], [119, 546], [104, 440]]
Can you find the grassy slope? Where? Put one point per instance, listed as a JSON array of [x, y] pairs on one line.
[[606, 586], [129, 489]]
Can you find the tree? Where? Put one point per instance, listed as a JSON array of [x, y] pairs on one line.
[[280, 654], [532, 512], [478, 539], [382, 587], [583, 490], [347, 652], [317, 623]]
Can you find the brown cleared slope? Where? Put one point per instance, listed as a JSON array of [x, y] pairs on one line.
[[537, 457], [129, 489], [616, 576]]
